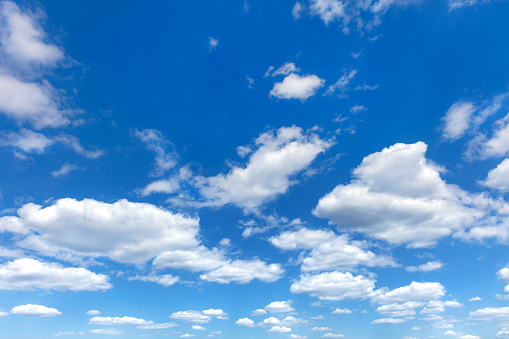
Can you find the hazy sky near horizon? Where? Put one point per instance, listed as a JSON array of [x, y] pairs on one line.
[[254, 169]]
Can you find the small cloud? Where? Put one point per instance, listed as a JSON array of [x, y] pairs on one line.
[[213, 44], [297, 87], [297, 10], [64, 170], [250, 82], [475, 299], [357, 109]]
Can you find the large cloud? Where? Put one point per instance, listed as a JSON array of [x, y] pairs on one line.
[[243, 271], [328, 251], [268, 172], [334, 286], [28, 274], [398, 196]]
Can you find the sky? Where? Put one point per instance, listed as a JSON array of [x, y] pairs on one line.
[[254, 169]]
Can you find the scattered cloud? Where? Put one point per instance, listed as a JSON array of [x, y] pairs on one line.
[[279, 329], [156, 142], [427, 267], [498, 178], [164, 280], [342, 84], [457, 119], [35, 310], [118, 321], [244, 271], [357, 109], [280, 307], [245, 322], [213, 43], [106, 331], [30, 274], [295, 86], [64, 170]]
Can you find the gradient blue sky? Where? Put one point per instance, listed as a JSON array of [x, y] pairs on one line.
[[254, 169]]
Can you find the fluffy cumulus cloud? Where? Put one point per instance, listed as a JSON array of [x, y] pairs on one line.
[[35, 310], [198, 259], [334, 286], [165, 280], [26, 141], [279, 156], [328, 251], [243, 271], [118, 321], [404, 309], [295, 86], [24, 52], [192, 316], [498, 178], [279, 329], [245, 322], [497, 145], [29, 274], [427, 267], [457, 120], [280, 307], [416, 291], [123, 231], [397, 195]]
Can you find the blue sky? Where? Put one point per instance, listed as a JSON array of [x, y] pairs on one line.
[[247, 169]]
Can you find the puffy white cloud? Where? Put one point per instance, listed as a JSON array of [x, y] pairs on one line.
[[503, 275], [457, 120], [475, 299], [400, 309], [334, 286], [427, 267], [329, 10], [64, 170], [280, 307], [342, 83], [296, 336], [166, 280], [198, 328], [468, 336], [22, 39], [490, 313], [198, 259], [156, 142], [413, 292], [36, 310], [243, 271], [106, 331], [398, 196], [295, 86], [25, 140], [37, 103], [279, 329], [452, 333], [438, 306], [68, 333], [245, 322], [496, 146], [29, 274], [124, 231], [191, 316], [216, 313], [268, 171], [341, 311], [93, 312], [297, 10], [118, 321], [320, 329], [187, 335], [328, 251], [498, 177]]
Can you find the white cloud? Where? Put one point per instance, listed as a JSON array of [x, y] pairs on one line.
[[496, 146], [243, 271], [35, 310], [334, 286], [333, 335], [295, 86], [357, 109], [245, 322], [475, 299], [125, 232], [213, 43], [400, 309], [389, 321], [197, 259], [93, 312], [26, 140], [427, 267], [216, 313], [29, 274], [280, 307], [413, 292], [398, 196], [455, 4], [37, 103], [161, 326], [118, 321], [296, 336], [198, 328], [328, 250], [68, 333], [74, 143], [22, 39], [259, 311], [297, 10], [320, 329], [468, 336], [457, 120], [329, 10], [279, 329], [341, 311], [187, 335], [107, 331], [156, 142], [498, 177], [65, 169], [164, 280], [268, 172], [438, 306], [191, 316], [342, 83], [452, 333], [286, 69]]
